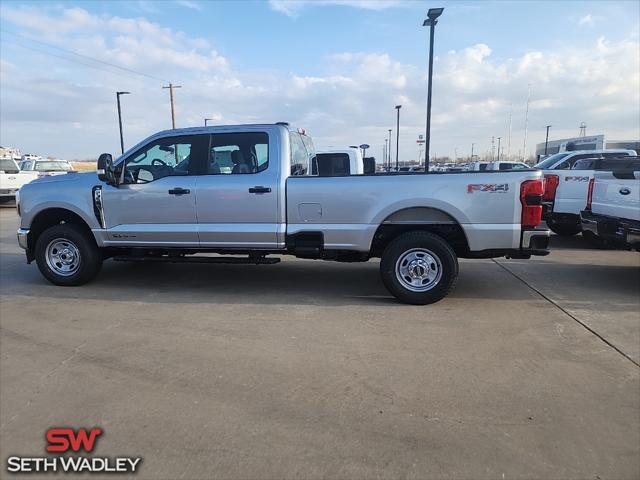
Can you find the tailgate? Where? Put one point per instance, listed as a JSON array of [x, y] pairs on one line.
[[616, 197]]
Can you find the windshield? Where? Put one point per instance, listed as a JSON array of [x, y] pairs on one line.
[[53, 166], [8, 165], [303, 155], [550, 161]]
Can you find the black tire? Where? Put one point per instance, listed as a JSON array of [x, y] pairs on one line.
[[436, 249], [74, 237], [564, 229]]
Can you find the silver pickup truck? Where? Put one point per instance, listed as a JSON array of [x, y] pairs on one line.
[[183, 195]]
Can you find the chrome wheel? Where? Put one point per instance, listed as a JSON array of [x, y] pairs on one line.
[[63, 257], [418, 270]]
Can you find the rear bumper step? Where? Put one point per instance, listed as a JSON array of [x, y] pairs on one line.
[[197, 259]]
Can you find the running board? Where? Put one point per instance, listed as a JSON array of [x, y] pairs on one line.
[[196, 259]]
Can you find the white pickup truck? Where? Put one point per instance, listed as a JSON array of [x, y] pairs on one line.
[[612, 212], [167, 199], [334, 162], [11, 178], [566, 187]]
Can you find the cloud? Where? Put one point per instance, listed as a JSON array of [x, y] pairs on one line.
[[587, 20], [348, 99], [292, 8], [189, 4]]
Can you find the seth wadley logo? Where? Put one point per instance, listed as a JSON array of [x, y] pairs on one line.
[[66, 440]]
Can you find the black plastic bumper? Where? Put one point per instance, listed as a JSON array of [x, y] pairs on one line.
[[615, 231]]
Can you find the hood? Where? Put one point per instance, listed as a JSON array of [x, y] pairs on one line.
[[66, 177]]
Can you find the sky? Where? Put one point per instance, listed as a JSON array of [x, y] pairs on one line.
[[334, 67]]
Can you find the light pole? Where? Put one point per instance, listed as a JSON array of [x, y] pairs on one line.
[[389, 153], [431, 22], [499, 138], [207, 120], [398, 107], [384, 152], [472, 145], [120, 118], [546, 142]]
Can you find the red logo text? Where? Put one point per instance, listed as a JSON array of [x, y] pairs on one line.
[[65, 439]]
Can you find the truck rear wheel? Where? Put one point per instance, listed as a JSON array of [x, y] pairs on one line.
[[67, 256], [419, 268]]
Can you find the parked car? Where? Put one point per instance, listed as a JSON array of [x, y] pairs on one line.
[[336, 162], [501, 165], [612, 214], [11, 178], [46, 167], [477, 166], [566, 186], [146, 206]]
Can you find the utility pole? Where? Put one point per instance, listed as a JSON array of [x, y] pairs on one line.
[[526, 124], [120, 118], [389, 153], [384, 152], [431, 22], [171, 86], [472, 145], [509, 139], [546, 142], [493, 148], [398, 107], [499, 138]]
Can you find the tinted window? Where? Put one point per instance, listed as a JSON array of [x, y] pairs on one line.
[[333, 164], [237, 153], [584, 164], [166, 157], [8, 166], [506, 166]]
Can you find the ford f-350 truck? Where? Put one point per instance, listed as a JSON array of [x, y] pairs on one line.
[[181, 195]]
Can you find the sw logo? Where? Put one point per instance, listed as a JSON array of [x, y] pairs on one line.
[[65, 439], [488, 187]]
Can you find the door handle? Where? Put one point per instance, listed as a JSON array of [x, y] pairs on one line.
[[260, 189], [179, 191]]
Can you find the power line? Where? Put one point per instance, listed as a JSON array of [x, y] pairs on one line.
[[120, 67]]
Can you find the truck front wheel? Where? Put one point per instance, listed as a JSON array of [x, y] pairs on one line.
[[419, 268], [66, 255]]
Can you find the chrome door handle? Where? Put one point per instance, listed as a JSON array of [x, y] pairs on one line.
[[260, 189]]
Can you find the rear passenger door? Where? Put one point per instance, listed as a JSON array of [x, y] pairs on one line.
[[238, 194]]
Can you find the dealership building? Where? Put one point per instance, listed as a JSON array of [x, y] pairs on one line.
[[592, 142]]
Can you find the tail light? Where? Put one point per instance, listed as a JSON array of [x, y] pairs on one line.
[[590, 194], [550, 186], [531, 192]]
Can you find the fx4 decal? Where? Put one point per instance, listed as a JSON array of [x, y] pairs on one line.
[[576, 179], [488, 187]]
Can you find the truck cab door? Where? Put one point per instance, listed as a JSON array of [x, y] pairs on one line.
[[238, 194], [155, 203]]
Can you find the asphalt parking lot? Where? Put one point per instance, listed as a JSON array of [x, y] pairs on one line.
[[310, 369]]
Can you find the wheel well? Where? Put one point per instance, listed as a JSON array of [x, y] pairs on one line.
[[452, 233], [54, 216]]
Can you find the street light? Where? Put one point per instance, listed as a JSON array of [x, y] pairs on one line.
[[431, 22], [546, 142], [398, 107], [207, 120], [499, 138], [120, 118]]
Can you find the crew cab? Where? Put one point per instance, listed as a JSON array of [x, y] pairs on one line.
[[168, 199], [566, 186], [45, 167], [612, 213], [11, 178]]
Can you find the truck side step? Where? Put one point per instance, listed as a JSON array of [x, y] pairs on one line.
[[196, 259]]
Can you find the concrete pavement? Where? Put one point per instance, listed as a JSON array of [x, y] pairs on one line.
[[310, 369]]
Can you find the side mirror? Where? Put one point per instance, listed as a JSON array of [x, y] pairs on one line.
[[105, 169]]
